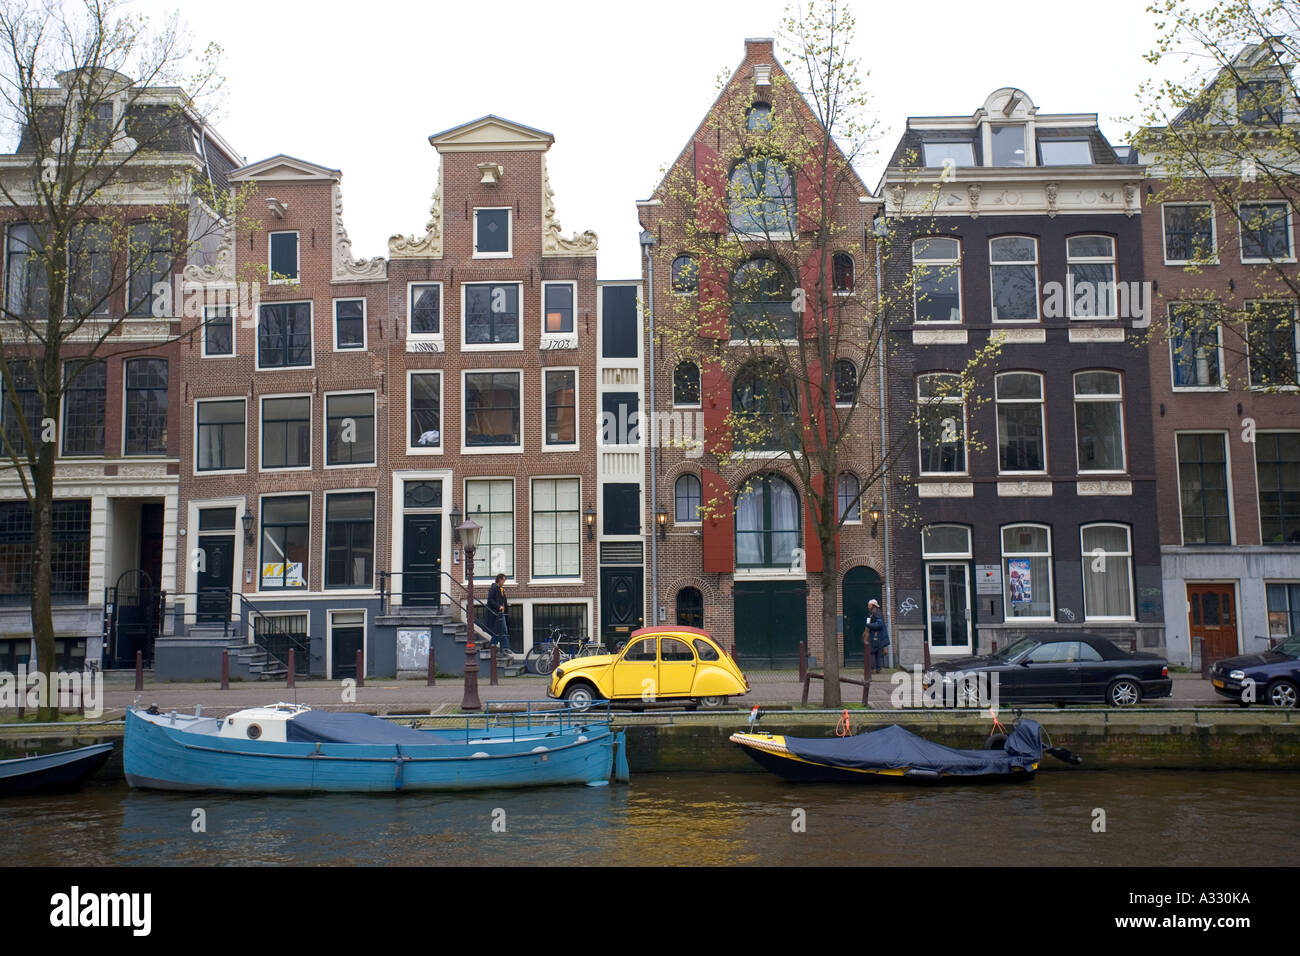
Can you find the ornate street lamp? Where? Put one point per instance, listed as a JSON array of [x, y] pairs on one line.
[[590, 515], [469, 532], [662, 516], [248, 521]]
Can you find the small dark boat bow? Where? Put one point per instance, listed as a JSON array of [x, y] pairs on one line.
[[52, 771]]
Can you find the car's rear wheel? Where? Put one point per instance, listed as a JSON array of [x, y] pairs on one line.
[[713, 702], [580, 695], [1282, 693], [1123, 693]]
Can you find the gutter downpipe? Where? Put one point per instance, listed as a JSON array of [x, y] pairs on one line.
[[648, 241], [880, 229]]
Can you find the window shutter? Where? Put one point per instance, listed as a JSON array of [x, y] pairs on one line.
[[715, 399], [811, 545], [715, 310], [815, 272], [710, 188], [718, 530], [810, 189]]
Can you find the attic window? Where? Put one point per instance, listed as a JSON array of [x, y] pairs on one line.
[[1259, 102], [1008, 145], [1064, 152], [938, 154], [762, 74], [759, 117]]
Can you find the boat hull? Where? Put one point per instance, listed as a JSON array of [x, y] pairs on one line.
[[159, 757], [52, 771]]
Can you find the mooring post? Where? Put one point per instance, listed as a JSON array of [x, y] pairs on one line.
[[803, 660], [139, 670], [432, 670], [492, 666], [291, 668], [225, 668], [361, 670], [807, 679], [993, 646]]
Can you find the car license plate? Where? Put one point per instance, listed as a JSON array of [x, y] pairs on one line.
[[1217, 683]]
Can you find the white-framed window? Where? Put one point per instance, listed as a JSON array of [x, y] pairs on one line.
[[1204, 492], [946, 553], [557, 528], [349, 325], [842, 281], [936, 285], [349, 429], [1008, 144], [492, 410], [90, 269], [560, 403], [1099, 421], [492, 233], [218, 332], [424, 311], [282, 257], [687, 499], [349, 540], [219, 435], [1064, 152], [938, 154], [144, 418], [1027, 572], [150, 262], [1273, 344], [491, 315], [286, 432], [941, 413], [424, 412], [559, 309], [1189, 233], [284, 335], [1022, 437], [285, 542], [848, 492], [1107, 572], [1090, 277], [1195, 345], [491, 503], [1013, 277], [1283, 609], [1266, 234]]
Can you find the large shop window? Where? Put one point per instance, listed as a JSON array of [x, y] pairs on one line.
[[69, 563]]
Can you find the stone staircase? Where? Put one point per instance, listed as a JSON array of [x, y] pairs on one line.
[[247, 661], [453, 627]]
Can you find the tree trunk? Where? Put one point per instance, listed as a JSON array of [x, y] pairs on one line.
[[830, 642], [42, 577]]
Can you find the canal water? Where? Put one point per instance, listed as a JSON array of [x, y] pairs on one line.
[[1166, 818]]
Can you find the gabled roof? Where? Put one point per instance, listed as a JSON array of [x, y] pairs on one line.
[[491, 133], [739, 76], [283, 168]]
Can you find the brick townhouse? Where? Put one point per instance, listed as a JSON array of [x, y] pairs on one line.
[[729, 526], [1025, 506], [120, 431], [284, 454], [1221, 252]]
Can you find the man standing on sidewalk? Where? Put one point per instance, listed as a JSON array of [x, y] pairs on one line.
[[877, 634], [497, 609]]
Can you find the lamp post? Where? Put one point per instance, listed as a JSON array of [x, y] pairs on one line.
[[469, 532]]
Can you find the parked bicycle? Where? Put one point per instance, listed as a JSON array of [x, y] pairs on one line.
[[542, 659]]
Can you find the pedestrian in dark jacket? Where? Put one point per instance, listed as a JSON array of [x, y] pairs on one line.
[[497, 621], [877, 634]]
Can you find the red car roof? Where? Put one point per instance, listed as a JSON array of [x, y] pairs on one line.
[[669, 629]]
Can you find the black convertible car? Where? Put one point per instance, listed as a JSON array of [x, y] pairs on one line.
[[1272, 677], [1056, 668]]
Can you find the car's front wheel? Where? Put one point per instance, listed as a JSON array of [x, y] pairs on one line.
[[1282, 693], [1123, 693], [580, 695]]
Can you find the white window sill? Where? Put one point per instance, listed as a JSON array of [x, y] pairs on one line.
[[492, 450]]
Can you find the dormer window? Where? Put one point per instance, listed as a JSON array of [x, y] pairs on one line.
[[1064, 152], [938, 154], [1008, 145], [1259, 103]]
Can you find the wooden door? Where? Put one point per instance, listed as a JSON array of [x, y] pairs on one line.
[[1212, 616]]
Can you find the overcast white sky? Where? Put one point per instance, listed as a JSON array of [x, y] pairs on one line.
[[361, 86]]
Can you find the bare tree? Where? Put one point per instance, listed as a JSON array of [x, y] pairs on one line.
[[104, 198]]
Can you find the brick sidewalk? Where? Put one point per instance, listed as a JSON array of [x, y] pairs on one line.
[[388, 696]]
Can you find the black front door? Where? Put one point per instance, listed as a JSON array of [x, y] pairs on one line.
[[622, 607], [421, 560], [216, 575]]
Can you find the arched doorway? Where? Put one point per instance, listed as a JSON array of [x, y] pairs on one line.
[[860, 585]]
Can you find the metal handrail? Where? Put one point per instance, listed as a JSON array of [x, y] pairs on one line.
[[451, 599]]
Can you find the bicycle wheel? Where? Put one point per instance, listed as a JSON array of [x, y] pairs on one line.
[[541, 660]]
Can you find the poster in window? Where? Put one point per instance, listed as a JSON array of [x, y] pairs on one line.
[[1020, 580]]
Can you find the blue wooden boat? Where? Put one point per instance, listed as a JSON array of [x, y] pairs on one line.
[[290, 748], [52, 771]]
